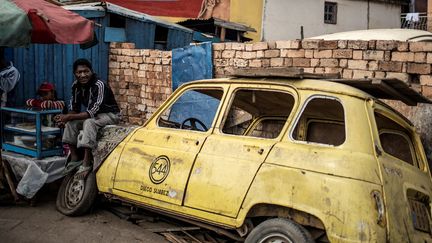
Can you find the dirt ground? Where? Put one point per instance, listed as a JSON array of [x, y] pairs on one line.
[[43, 223]]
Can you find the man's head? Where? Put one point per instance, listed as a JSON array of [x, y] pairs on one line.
[[83, 70]]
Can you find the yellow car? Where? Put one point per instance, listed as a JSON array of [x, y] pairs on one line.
[[272, 160]]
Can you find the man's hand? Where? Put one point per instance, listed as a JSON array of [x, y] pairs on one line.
[[62, 118]]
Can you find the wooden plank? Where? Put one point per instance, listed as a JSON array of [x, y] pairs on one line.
[[383, 86], [175, 229], [269, 72], [9, 179]]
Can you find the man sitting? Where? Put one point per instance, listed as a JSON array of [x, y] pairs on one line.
[[92, 107]]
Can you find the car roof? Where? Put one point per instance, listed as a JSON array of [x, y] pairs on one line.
[[379, 34], [300, 84]]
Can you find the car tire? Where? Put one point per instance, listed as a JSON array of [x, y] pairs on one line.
[[76, 197], [279, 229]]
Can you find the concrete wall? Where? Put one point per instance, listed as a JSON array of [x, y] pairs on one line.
[[282, 19]]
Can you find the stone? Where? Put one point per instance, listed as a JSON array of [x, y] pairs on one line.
[[289, 44], [293, 53], [271, 53], [373, 55], [228, 54], [402, 56], [387, 45], [238, 46], [310, 44], [328, 44], [255, 63], [259, 46], [426, 80], [390, 66], [357, 55], [249, 54], [420, 57], [361, 74], [301, 62], [418, 68], [357, 64], [329, 62], [342, 53], [323, 53], [358, 44], [276, 62], [218, 46], [420, 46]]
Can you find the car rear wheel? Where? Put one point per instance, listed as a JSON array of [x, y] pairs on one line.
[[75, 197], [279, 230]]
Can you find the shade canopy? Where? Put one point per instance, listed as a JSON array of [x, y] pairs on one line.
[[23, 22]]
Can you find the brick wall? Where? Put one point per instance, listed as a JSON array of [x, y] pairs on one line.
[[140, 80], [410, 62]]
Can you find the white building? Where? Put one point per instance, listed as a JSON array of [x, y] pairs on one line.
[[283, 19]]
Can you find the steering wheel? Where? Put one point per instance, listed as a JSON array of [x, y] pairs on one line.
[[193, 122]]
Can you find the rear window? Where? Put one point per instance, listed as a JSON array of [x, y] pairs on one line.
[[395, 140], [322, 121]]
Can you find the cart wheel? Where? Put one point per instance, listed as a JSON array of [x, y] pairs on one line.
[[75, 197], [279, 230]]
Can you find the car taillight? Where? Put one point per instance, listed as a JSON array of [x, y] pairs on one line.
[[420, 215]]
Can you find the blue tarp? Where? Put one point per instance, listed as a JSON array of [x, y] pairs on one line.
[[193, 63]]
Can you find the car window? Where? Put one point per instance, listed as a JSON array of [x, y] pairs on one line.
[[193, 110], [395, 139], [322, 121], [258, 113]]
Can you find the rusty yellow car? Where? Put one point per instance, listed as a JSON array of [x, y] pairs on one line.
[[273, 159]]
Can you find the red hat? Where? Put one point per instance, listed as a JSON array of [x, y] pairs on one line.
[[46, 87]]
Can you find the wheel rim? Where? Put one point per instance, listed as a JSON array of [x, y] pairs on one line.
[[276, 238], [74, 192]]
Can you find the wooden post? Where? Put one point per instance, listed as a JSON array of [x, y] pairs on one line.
[[222, 35]]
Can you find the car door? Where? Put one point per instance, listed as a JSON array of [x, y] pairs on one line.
[[232, 155], [406, 180], [156, 161]]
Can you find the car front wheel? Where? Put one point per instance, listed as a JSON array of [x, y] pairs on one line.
[[75, 197], [279, 230]]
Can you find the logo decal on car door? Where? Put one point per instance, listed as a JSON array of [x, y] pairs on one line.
[[159, 169]]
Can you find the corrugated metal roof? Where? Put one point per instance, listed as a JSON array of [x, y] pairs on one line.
[[112, 8]]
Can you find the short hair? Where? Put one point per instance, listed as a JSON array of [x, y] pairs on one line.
[[82, 62]]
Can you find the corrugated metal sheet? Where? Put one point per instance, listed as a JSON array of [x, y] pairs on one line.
[[53, 63]]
